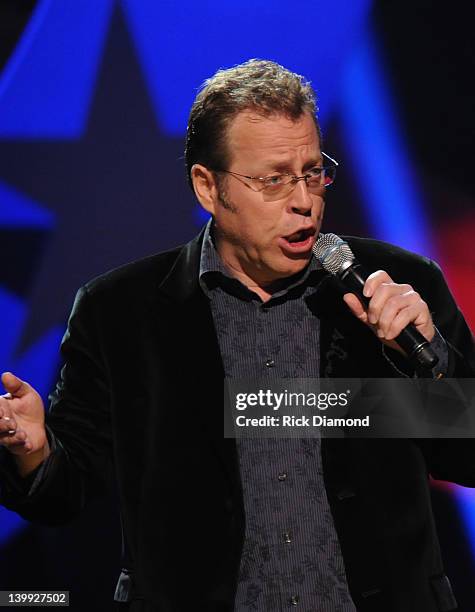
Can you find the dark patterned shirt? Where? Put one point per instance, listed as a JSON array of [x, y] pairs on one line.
[[291, 555]]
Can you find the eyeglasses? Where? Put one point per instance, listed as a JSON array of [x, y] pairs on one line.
[[278, 186]]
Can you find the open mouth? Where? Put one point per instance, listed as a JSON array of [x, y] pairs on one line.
[[300, 239]]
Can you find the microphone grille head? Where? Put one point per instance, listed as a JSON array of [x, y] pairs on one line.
[[332, 252]]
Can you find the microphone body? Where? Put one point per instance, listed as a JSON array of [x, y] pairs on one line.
[[337, 258]]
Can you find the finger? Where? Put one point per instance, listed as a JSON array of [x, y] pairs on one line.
[[7, 425], [17, 442], [14, 385], [355, 306], [7, 435], [416, 314], [382, 295], [5, 408], [374, 280], [393, 306]]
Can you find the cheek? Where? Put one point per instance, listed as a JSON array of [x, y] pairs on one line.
[[321, 209], [260, 234], [253, 232], [262, 225], [265, 232]]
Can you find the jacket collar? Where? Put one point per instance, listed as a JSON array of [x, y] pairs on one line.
[[182, 281]]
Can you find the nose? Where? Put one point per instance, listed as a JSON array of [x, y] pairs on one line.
[[301, 201]]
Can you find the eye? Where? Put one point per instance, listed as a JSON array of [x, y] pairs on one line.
[[271, 182], [315, 172]]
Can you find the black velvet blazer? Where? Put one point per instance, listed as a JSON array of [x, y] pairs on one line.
[[141, 396]]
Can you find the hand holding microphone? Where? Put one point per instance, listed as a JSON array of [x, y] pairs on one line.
[[395, 312]]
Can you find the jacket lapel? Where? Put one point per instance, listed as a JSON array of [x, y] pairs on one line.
[[193, 317], [326, 303]]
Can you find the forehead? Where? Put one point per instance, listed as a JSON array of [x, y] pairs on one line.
[[276, 138]]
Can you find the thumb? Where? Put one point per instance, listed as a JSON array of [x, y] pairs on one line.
[[14, 385]]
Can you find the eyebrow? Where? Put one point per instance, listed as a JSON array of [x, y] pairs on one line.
[[285, 167]]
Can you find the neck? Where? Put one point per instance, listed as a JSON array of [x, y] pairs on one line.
[[264, 289]]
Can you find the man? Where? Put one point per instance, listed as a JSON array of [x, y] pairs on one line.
[[211, 524]]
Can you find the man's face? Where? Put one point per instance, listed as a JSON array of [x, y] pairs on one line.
[[257, 238]]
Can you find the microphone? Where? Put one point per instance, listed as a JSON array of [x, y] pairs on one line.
[[336, 257]]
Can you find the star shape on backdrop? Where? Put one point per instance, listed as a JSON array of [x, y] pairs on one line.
[[118, 193]]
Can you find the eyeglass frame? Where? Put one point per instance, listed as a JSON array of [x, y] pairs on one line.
[[294, 178]]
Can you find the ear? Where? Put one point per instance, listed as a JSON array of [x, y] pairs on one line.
[[205, 187]]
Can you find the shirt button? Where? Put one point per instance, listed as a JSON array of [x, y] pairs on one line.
[[294, 600], [282, 476], [287, 538], [270, 363]]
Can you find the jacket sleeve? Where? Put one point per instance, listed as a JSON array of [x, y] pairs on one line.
[[79, 428], [447, 458], [453, 327]]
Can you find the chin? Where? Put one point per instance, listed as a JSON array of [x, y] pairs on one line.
[[295, 265]]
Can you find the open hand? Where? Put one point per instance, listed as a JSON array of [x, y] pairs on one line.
[[22, 417]]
